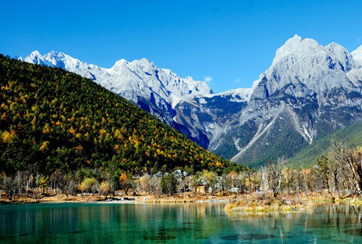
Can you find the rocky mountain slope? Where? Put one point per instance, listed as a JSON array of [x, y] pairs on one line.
[[308, 92]]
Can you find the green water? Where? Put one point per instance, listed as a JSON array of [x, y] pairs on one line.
[[187, 223]]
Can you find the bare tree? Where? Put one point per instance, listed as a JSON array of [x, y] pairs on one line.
[[155, 186], [275, 176], [9, 186], [18, 181], [351, 161], [144, 183], [28, 178]]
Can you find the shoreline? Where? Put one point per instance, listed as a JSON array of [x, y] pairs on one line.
[[120, 200], [240, 204]]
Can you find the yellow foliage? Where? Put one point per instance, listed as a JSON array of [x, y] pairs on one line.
[[105, 187], [102, 132], [33, 122], [44, 146], [3, 116], [7, 137], [46, 129], [78, 149], [82, 187], [219, 165], [72, 131], [116, 133]]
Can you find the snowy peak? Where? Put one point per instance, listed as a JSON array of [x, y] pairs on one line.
[[133, 80], [305, 63], [62, 60], [57, 59], [297, 50], [296, 45], [340, 56], [145, 75], [36, 58], [357, 54]]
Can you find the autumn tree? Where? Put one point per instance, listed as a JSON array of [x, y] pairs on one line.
[[125, 183], [104, 188]]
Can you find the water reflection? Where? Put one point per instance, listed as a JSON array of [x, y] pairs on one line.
[[184, 223], [321, 224]]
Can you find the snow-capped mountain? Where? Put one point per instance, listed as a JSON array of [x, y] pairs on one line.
[[156, 90], [357, 55], [309, 91]]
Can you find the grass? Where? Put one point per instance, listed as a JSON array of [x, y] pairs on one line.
[[266, 203]]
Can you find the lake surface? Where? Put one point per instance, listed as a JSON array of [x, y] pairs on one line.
[[186, 223]]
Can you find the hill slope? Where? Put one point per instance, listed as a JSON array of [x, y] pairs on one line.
[[52, 119], [351, 135]]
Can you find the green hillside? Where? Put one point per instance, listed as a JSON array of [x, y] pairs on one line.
[[282, 139], [52, 120], [351, 135]]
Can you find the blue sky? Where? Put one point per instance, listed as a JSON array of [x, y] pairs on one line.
[[229, 42]]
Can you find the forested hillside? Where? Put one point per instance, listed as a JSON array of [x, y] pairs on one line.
[[56, 120], [351, 136]]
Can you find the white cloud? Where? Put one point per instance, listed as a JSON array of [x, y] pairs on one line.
[[208, 79], [237, 80]]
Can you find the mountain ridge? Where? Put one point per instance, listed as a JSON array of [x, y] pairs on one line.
[[310, 89], [154, 89]]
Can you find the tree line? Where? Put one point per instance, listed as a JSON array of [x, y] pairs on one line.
[[339, 174], [53, 121]]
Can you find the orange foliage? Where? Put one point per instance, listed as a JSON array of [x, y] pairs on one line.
[[123, 178]]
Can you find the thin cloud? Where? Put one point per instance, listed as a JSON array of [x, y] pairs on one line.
[[208, 79], [237, 80]]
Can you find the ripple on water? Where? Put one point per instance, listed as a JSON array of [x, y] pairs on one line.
[[159, 237], [354, 232], [174, 229], [190, 223], [247, 237]]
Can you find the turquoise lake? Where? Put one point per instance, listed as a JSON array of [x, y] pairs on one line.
[[173, 223]]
